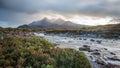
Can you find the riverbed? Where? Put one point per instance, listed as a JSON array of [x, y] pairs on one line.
[[102, 51]]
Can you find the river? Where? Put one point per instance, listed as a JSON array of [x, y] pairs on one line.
[[107, 51]]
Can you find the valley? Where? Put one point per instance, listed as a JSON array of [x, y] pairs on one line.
[[59, 33]]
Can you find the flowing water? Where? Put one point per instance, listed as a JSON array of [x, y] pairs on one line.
[[107, 48]]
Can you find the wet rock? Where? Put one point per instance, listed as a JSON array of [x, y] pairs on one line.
[[101, 61], [80, 38], [92, 40], [109, 65], [85, 48], [115, 58], [112, 53], [99, 41], [91, 57], [95, 50], [96, 53], [105, 49]]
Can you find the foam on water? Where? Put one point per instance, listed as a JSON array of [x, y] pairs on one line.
[[75, 42]]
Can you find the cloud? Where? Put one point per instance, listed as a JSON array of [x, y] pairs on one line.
[[23, 11], [108, 7]]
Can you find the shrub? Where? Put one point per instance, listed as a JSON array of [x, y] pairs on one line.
[[38, 53]]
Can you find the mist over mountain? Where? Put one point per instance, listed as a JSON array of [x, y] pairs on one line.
[[51, 23]]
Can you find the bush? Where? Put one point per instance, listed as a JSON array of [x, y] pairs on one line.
[[38, 53]]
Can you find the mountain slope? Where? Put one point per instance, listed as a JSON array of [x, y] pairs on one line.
[[47, 23]]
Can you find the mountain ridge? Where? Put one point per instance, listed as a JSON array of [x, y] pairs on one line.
[[51, 23]]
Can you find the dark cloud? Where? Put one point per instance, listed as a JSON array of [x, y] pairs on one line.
[[108, 7], [12, 18], [18, 10]]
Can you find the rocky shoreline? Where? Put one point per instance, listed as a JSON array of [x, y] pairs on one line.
[[19, 34], [96, 50], [101, 52], [101, 61]]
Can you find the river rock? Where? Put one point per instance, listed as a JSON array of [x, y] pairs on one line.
[[109, 65], [96, 53], [85, 48], [112, 53], [100, 61], [99, 41], [92, 40], [115, 58]]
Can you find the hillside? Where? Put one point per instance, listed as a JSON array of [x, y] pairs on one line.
[[105, 31]]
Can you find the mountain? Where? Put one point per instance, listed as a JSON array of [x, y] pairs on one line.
[[24, 26], [47, 23]]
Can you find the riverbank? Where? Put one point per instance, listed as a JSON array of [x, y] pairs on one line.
[[25, 50], [104, 52]]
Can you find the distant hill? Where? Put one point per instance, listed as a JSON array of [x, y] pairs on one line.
[[0, 27], [109, 27], [24, 26], [47, 23]]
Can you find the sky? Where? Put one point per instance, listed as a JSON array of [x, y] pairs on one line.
[[88, 12]]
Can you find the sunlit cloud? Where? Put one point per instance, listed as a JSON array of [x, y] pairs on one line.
[[88, 12], [88, 20]]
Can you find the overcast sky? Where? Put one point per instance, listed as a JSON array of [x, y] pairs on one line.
[[89, 12]]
